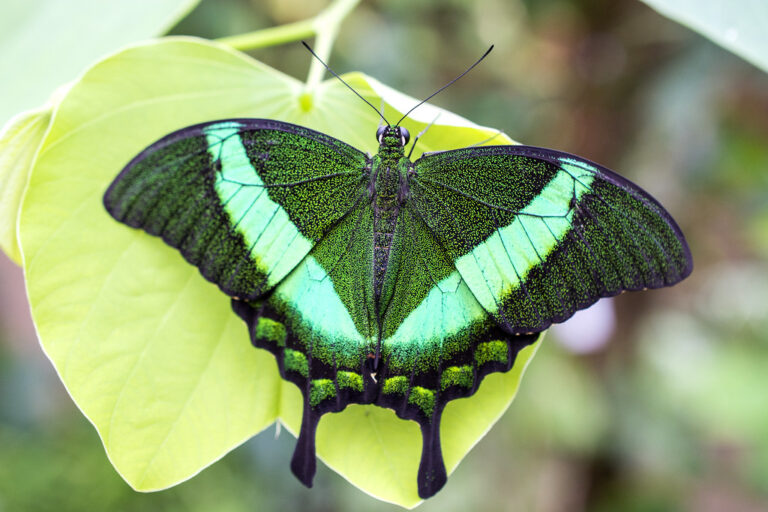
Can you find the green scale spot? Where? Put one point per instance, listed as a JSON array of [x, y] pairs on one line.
[[295, 361], [395, 385], [495, 351], [350, 380], [424, 398], [320, 390], [269, 330], [457, 376]]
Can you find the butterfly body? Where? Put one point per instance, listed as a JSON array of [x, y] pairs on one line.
[[390, 190], [377, 280]]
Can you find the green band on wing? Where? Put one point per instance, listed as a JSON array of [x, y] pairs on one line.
[[499, 265], [273, 241], [315, 312], [448, 308]]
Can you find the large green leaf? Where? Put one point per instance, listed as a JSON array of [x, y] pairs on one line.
[[44, 43], [147, 348], [19, 141], [737, 25]]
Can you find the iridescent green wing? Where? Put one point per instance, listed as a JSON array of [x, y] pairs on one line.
[[279, 217], [494, 245], [429, 342], [244, 200], [538, 234], [321, 326], [438, 343]]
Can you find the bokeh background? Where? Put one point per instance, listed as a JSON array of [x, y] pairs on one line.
[[648, 402]]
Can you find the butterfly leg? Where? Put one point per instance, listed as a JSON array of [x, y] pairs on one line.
[[422, 132]]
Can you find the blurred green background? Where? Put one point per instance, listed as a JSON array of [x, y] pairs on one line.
[[649, 402]]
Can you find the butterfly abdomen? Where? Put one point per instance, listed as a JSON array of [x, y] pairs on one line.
[[386, 210]]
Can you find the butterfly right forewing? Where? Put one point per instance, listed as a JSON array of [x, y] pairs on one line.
[[538, 234]]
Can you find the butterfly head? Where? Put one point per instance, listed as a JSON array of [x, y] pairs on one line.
[[390, 136]]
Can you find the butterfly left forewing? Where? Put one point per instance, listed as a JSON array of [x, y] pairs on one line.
[[538, 234], [242, 199]]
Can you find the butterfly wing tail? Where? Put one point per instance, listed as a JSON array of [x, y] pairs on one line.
[[432, 475], [304, 461]]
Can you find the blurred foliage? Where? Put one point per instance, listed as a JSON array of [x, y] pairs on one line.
[[738, 25], [670, 414], [46, 43]]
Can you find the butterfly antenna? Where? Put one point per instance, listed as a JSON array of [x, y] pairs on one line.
[[342, 80], [446, 85]]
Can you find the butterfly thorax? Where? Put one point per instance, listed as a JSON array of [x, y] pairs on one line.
[[388, 193]]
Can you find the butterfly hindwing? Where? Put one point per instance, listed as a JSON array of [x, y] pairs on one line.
[[320, 323], [243, 199], [435, 342], [538, 234]]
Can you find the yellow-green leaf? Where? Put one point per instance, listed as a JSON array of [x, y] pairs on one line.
[[147, 348], [19, 141]]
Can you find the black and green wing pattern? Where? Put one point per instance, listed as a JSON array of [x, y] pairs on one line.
[[375, 280], [244, 200], [538, 234]]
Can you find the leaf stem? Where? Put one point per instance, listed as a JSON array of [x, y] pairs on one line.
[[324, 27], [272, 36]]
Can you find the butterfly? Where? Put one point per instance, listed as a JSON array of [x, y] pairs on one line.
[[381, 280]]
